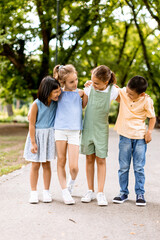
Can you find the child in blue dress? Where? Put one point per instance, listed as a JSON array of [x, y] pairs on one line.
[[40, 143], [68, 124]]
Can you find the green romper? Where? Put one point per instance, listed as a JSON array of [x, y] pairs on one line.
[[96, 127]]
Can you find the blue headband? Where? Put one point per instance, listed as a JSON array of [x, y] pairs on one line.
[[60, 67]]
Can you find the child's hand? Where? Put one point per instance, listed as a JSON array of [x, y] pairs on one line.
[[88, 83], [116, 86], [34, 148], [81, 92], [148, 137]]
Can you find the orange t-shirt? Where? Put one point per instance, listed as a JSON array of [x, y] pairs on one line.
[[132, 115]]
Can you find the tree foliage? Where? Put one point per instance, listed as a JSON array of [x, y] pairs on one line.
[[122, 34]]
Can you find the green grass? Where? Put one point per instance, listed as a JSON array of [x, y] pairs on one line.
[[8, 169], [5, 145], [12, 138], [11, 149]]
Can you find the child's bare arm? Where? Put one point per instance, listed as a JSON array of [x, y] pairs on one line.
[[118, 98], [32, 121], [84, 98], [28, 116], [81, 92], [148, 135]]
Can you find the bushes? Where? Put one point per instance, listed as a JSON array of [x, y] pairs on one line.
[[113, 112], [20, 115]]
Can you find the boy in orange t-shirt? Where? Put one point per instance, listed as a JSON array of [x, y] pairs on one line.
[[135, 107]]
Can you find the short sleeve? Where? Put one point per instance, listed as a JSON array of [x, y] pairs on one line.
[[114, 93], [150, 113]]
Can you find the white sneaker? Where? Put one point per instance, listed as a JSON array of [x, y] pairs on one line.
[[101, 199], [33, 197], [67, 198], [47, 198], [88, 197]]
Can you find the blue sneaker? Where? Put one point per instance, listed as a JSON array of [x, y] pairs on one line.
[[121, 198], [140, 201]]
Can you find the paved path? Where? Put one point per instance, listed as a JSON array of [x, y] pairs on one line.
[[20, 220]]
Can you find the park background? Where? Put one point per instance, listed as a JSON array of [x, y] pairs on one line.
[[37, 35]]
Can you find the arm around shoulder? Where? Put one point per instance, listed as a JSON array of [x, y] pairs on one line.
[[84, 100], [116, 93], [118, 99], [84, 97]]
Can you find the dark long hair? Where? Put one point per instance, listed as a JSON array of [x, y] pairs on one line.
[[47, 85]]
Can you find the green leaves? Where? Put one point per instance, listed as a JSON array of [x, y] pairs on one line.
[[115, 33]]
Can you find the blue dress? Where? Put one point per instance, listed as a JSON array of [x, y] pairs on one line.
[[44, 134]]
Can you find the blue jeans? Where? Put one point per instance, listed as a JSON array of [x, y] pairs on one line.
[[129, 148]]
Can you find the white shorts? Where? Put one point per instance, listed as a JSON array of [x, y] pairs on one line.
[[70, 136]]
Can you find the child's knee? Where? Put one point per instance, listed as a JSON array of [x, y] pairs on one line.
[[90, 159], [61, 162], [35, 166], [46, 165], [74, 170], [101, 161]]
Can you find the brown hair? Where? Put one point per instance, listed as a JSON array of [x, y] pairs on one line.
[[61, 72], [104, 74]]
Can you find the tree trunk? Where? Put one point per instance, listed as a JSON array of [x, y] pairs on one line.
[[17, 104], [124, 42], [9, 110]]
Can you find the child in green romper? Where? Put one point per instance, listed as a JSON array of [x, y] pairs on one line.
[[94, 142]]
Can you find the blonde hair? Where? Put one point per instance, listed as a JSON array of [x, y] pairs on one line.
[[61, 72], [104, 74]]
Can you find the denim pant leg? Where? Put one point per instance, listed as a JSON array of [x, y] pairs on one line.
[[125, 152], [139, 153]]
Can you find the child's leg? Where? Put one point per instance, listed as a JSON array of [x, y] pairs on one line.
[[90, 162], [125, 153], [47, 179], [61, 152], [46, 175], [90, 195], [139, 151], [73, 156], [61, 147], [101, 173], [34, 173]]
